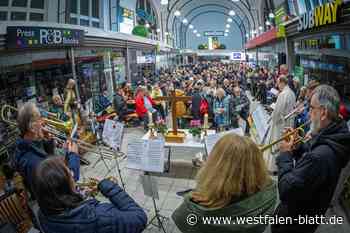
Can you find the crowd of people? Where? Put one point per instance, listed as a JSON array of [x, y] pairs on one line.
[[233, 182]]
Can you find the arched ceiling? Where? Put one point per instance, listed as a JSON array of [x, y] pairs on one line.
[[245, 18]]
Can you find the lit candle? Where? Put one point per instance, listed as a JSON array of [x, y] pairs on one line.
[[206, 121]]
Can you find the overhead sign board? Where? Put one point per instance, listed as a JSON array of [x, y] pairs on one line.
[[214, 33], [43, 37]]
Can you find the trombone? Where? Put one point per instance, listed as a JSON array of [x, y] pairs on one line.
[[289, 136], [59, 129]]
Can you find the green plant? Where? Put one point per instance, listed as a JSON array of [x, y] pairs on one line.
[[195, 131], [161, 127], [140, 30]]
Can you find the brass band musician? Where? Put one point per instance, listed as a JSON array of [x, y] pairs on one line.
[[308, 173], [34, 145]]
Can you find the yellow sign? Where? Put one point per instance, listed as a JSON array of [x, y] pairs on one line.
[[322, 15]]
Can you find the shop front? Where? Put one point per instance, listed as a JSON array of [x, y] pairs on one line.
[[320, 45], [37, 62], [266, 50]]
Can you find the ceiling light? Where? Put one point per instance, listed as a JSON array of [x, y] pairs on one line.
[[147, 25], [232, 13], [226, 34], [261, 28], [227, 31], [229, 20], [185, 21], [267, 23], [190, 26], [271, 15], [177, 13], [164, 2], [198, 35], [195, 31], [158, 30], [228, 25]]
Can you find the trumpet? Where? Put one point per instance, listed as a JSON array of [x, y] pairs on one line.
[[58, 129], [289, 136], [91, 185]]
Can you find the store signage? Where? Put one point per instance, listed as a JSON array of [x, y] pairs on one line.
[[214, 33], [144, 15], [126, 19], [280, 14], [43, 37], [322, 15]]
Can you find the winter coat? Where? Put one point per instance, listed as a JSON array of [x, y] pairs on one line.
[[29, 154], [306, 185], [140, 105], [122, 215], [259, 204]]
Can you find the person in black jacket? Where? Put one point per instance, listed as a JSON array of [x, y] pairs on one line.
[[33, 145], [120, 105], [63, 209], [308, 174]]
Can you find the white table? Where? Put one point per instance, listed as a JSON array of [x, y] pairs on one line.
[[189, 142]]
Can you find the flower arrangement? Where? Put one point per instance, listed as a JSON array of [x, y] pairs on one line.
[[195, 128], [161, 127]]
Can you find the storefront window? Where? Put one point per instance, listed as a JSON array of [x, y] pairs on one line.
[[321, 42], [37, 4], [95, 9], [84, 7], [36, 17], [74, 20], [19, 3], [84, 22], [74, 6], [3, 15], [4, 2], [18, 16]]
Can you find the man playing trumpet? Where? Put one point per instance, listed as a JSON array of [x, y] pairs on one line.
[[35, 145], [308, 173]]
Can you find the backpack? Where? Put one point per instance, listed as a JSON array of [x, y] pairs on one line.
[[204, 106]]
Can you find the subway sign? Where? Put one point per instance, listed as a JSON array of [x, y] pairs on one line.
[[322, 15], [43, 37]]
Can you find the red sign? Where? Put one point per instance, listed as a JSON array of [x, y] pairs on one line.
[[262, 39]]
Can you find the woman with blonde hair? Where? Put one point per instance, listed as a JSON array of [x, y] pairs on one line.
[[233, 183]]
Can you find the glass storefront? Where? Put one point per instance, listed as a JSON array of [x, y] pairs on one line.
[[37, 76], [326, 58]]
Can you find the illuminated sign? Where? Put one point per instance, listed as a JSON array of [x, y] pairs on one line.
[[280, 14], [43, 37], [214, 33], [322, 15]]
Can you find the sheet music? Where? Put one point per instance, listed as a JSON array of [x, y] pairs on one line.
[[146, 155], [112, 133], [260, 118], [134, 159], [153, 159], [212, 139]]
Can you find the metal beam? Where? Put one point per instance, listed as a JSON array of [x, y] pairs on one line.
[[206, 5], [219, 12], [247, 7]]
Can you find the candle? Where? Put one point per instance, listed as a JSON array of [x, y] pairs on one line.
[[206, 121], [150, 119]]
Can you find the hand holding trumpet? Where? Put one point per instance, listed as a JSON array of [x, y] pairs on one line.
[[90, 187]]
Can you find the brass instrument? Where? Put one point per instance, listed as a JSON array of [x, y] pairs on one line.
[[59, 129], [91, 185], [289, 136]]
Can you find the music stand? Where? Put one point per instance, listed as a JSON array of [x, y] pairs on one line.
[[157, 217]]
